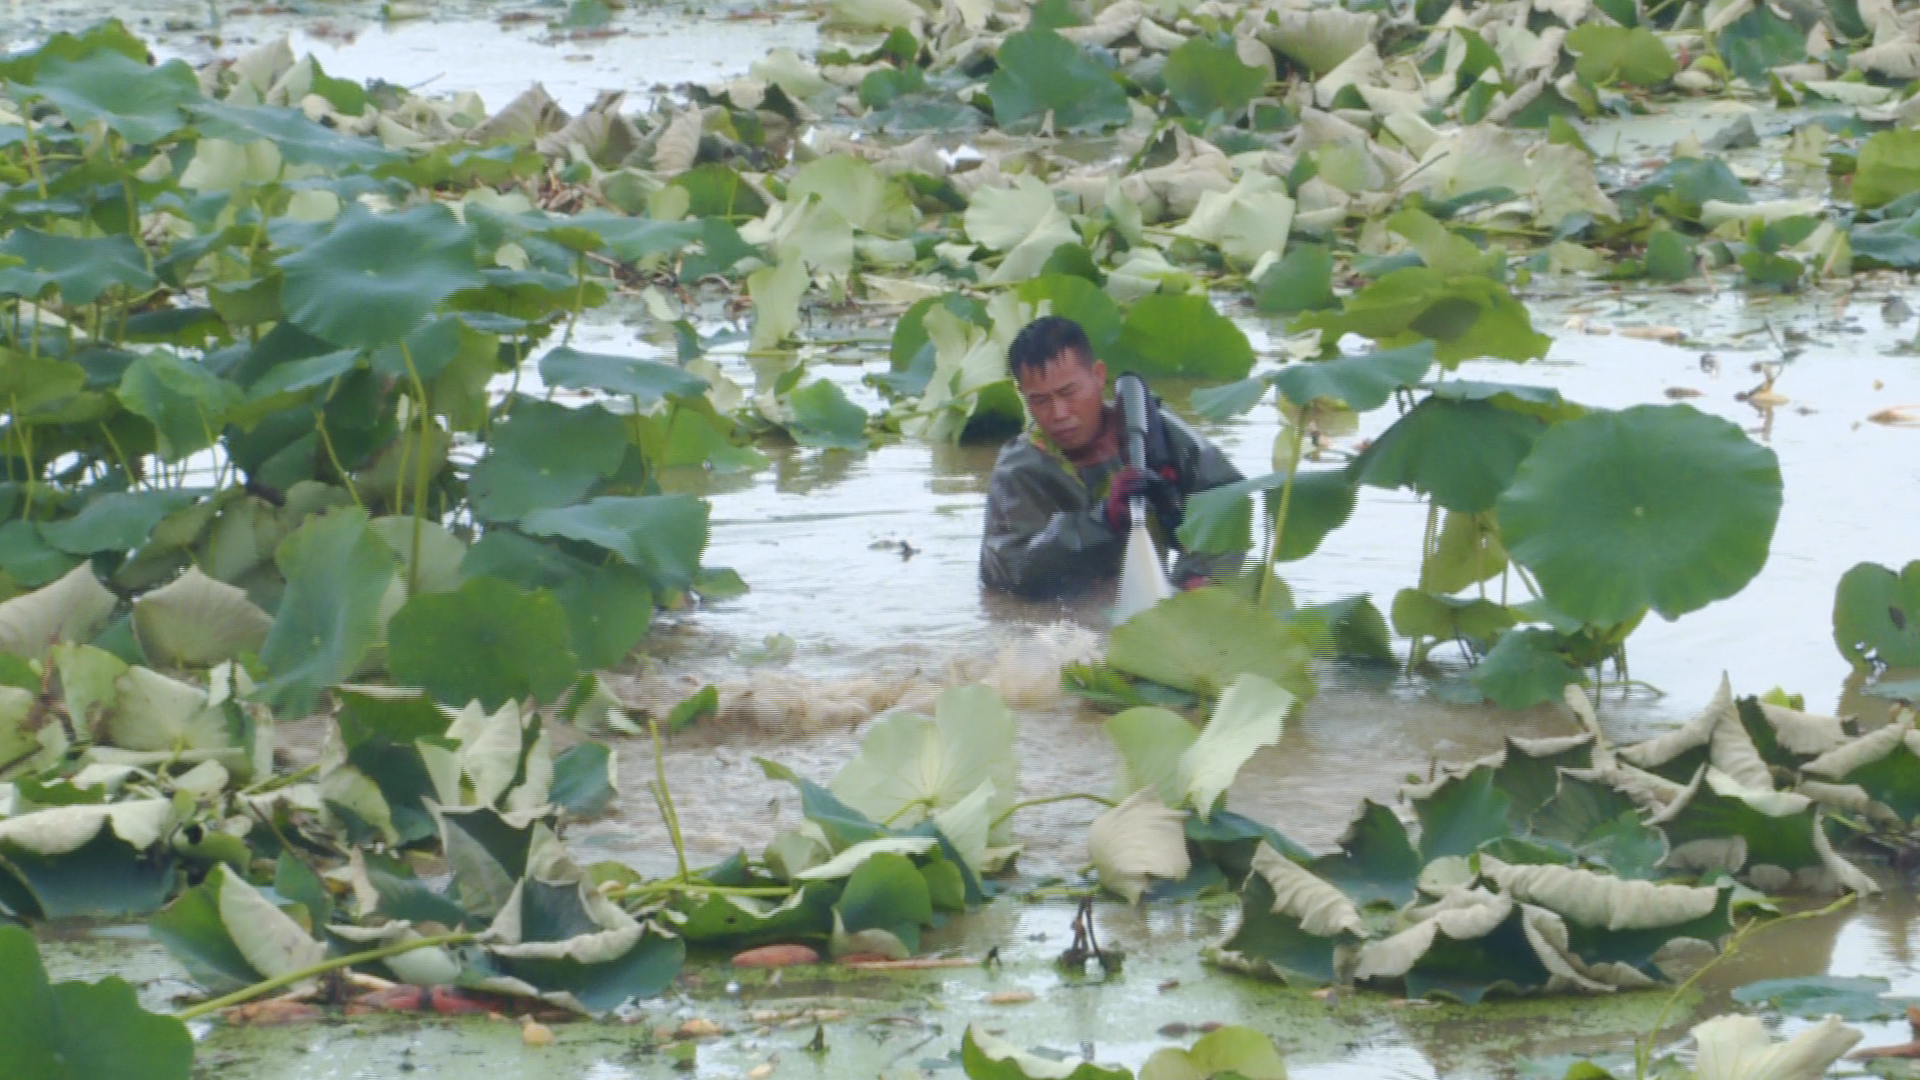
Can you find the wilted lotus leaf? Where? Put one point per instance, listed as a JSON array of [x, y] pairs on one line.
[[1740, 1048], [1249, 715], [1137, 842], [911, 766], [1885, 764], [67, 610], [1715, 735], [195, 621]]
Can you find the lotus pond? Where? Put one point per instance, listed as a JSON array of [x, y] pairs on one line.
[[481, 556]]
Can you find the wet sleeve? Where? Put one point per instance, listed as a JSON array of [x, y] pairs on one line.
[[1035, 547]]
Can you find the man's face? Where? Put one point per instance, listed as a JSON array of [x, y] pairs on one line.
[[1066, 399]]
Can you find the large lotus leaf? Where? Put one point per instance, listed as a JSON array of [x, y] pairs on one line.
[[1889, 167], [1292, 924], [1463, 453], [1249, 715], [1812, 997], [647, 381], [26, 557], [545, 455], [662, 536], [1248, 222], [1657, 506], [1526, 667], [79, 1030], [1220, 519], [195, 621], [1202, 640], [824, 417], [1205, 76], [1074, 297], [337, 573], [139, 101], [1360, 383], [70, 609], [1611, 921], [485, 641], [1169, 334], [1137, 842], [1376, 861], [1609, 54], [186, 402], [118, 521], [299, 140], [858, 192], [1776, 828], [1043, 74], [1466, 316], [1459, 813], [1739, 1048], [910, 766], [81, 268], [440, 552], [374, 278], [609, 608], [840, 824], [987, 1057], [1876, 615]]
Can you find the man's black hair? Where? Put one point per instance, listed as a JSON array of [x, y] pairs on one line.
[[1042, 341]]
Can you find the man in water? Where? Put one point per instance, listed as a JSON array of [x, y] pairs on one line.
[[1057, 505]]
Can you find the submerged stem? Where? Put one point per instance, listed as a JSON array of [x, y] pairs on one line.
[[331, 964]]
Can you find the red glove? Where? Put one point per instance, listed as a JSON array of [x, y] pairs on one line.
[[1132, 481]]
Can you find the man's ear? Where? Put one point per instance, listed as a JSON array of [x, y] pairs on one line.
[[1100, 373]]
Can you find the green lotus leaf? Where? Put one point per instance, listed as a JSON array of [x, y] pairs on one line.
[[1776, 828], [1376, 862], [1205, 76], [583, 780], [1876, 615], [911, 352], [545, 455], [26, 557], [824, 417], [645, 380], [1170, 334], [1812, 997], [1600, 826], [609, 608], [118, 521], [70, 609], [1462, 949], [296, 377], [1526, 667], [1422, 615], [337, 573], [1301, 281], [1543, 402], [699, 437], [1466, 316], [486, 853], [1884, 763], [27, 384], [440, 552], [1657, 506], [716, 190], [299, 140], [986, 1057], [745, 921], [88, 860], [662, 536], [636, 238], [195, 621], [141, 102], [1459, 813], [80, 1030], [1759, 41], [485, 641], [1610, 54], [374, 278], [81, 268], [1152, 741], [1360, 383], [1228, 1052], [186, 403], [887, 893], [1041, 72], [1462, 453], [1072, 297], [1230, 400], [1202, 640]]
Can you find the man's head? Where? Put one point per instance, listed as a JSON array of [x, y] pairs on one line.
[[1064, 386]]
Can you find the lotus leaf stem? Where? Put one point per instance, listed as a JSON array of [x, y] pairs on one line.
[[194, 1012], [326, 440], [1286, 500], [664, 796], [419, 470], [655, 888], [1045, 799]]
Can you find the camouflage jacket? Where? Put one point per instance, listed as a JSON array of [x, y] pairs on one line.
[[1046, 534]]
